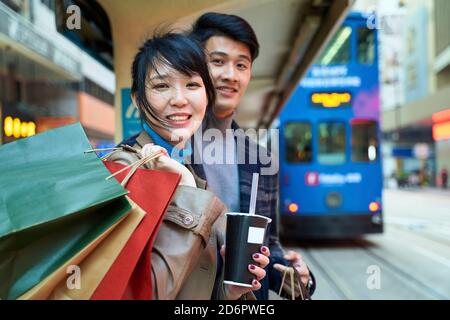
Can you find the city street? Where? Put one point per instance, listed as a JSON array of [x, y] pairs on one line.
[[128, 127], [411, 258]]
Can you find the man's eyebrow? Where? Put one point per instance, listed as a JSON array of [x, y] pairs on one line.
[[223, 54], [219, 53]]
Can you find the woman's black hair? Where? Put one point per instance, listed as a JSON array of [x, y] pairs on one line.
[[177, 51], [219, 24]]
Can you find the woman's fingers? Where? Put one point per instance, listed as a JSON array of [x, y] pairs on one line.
[[261, 259], [265, 251], [259, 273], [234, 292], [146, 149], [165, 163], [256, 285], [151, 148], [222, 252]]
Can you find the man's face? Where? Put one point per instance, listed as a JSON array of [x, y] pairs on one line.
[[230, 65]]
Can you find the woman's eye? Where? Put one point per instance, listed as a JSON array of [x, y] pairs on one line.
[[160, 86], [193, 85]]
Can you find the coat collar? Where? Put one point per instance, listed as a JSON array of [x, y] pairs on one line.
[[175, 152]]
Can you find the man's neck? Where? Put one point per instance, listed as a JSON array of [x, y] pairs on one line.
[[223, 115], [222, 123]]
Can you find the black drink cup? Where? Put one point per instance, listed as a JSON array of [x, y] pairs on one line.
[[244, 237]]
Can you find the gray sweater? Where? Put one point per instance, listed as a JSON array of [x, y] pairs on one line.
[[222, 175]]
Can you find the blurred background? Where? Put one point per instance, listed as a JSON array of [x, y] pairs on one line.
[[357, 91]]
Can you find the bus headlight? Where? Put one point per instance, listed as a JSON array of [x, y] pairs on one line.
[[374, 207], [293, 208]]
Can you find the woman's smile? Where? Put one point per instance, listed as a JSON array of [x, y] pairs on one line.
[[179, 120]]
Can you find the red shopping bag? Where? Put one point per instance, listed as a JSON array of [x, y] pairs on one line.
[[130, 275]]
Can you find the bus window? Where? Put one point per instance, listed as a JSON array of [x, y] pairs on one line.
[[364, 141], [337, 50], [331, 143], [366, 46], [298, 139]]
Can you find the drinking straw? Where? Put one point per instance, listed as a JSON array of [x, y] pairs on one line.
[[254, 192]]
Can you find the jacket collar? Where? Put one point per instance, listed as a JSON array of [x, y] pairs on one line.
[[176, 153]]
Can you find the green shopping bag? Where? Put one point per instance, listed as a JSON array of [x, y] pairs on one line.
[[54, 200]]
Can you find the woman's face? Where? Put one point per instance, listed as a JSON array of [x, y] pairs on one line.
[[179, 99]]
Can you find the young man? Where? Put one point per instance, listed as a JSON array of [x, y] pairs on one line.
[[231, 46]]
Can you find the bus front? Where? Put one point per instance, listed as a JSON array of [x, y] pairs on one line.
[[330, 165]]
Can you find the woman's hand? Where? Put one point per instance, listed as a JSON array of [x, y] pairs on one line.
[[261, 261], [165, 163]]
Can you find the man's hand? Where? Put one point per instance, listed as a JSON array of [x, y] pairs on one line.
[[261, 261], [296, 260]]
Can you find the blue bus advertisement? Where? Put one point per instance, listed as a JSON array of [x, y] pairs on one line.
[[330, 161]]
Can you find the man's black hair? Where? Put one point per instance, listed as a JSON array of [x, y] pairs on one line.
[[219, 24], [177, 51]]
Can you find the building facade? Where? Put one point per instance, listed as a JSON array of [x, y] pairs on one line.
[[47, 80], [415, 87]]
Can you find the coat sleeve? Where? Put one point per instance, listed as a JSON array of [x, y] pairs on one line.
[[180, 242]]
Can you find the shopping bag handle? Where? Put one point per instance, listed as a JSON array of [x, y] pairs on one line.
[[134, 166], [293, 275], [289, 270]]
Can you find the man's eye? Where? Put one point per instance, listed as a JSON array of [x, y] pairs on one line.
[[242, 66], [217, 61]]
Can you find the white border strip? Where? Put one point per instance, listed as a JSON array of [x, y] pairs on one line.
[[238, 284]]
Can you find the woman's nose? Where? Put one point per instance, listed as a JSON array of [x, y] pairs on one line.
[[178, 99]]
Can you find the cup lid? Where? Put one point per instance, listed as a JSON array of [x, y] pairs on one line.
[[248, 214]]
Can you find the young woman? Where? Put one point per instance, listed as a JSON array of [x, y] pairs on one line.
[[173, 90]]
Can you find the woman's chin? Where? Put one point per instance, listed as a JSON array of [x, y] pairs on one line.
[[181, 134]]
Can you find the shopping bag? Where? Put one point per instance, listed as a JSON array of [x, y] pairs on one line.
[[93, 263], [27, 262], [54, 201], [100, 261], [130, 275], [44, 289], [293, 285]]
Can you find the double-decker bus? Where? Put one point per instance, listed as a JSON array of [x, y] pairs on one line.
[[330, 165]]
